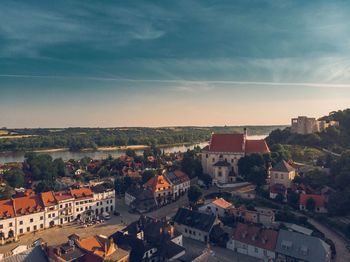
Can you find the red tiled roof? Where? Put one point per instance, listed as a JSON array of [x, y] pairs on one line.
[[48, 199], [236, 143], [255, 236], [256, 146], [226, 143], [320, 200], [181, 175], [220, 202], [157, 183], [28, 204], [63, 195], [6, 209], [83, 192]]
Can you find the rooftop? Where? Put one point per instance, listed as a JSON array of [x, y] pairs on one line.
[[256, 236], [195, 219], [283, 166]]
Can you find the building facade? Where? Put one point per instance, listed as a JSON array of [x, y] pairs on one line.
[[303, 125], [33, 212], [220, 158], [180, 182]]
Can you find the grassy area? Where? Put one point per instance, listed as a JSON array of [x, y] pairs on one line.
[[304, 154]]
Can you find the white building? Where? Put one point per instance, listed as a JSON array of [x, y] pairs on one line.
[[220, 157], [33, 212], [282, 173], [194, 224], [180, 182], [218, 207], [51, 209], [254, 241]]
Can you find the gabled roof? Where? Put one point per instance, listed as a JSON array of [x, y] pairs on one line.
[[81, 193], [256, 236], [28, 205], [48, 199], [220, 202], [63, 195], [6, 209], [303, 247], [195, 219], [320, 200], [236, 143], [157, 183], [227, 143], [256, 146], [176, 177], [283, 166]]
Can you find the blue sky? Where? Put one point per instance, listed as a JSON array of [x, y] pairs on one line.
[[163, 63]]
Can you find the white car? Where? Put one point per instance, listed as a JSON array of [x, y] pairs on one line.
[[106, 215]]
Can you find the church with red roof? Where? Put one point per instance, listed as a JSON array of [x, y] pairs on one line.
[[220, 157]]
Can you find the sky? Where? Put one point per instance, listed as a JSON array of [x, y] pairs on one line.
[[108, 63]]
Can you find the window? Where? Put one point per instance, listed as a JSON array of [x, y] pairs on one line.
[[31, 220], [21, 231], [256, 250], [41, 218], [35, 228], [28, 229], [213, 159], [206, 156], [53, 215], [10, 225], [77, 209], [185, 230], [281, 176], [60, 206], [49, 215], [220, 174], [276, 175], [1, 226], [41, 225]]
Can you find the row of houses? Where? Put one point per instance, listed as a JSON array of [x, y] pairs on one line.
[[31, 212], [221, 208], [252, 240], [159, 190], [281, 183]]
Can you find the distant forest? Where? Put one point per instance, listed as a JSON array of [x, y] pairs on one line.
[[80, 138]]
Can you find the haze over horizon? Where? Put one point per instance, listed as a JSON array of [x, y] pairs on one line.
[[172, 63]]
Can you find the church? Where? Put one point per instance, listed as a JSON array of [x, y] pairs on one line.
[[220, 157]]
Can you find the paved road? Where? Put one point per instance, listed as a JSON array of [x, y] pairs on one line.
[[343, 255]]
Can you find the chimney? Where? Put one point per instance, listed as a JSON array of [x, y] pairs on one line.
[[245, 135], [171, 231]]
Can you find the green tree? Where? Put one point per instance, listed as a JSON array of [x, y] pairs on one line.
[[194, 194], [15, 178], [130, 152], [147, 175]]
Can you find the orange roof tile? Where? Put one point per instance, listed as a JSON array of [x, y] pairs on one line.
[[181, 175], [157, 183], [48, 199], [256, 146], [220, 202], [320, 201], [6, 209], [28, 205], [83, 192], [63, 195]]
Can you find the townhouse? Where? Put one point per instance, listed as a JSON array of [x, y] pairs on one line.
[[218, 207], [161, 189], [194, 224], [32, 212], [180, 182], [254, 241]]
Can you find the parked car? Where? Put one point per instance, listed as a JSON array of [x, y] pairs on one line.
[[106, 215]]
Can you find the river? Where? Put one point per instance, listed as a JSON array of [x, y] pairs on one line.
[[7, 157]]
